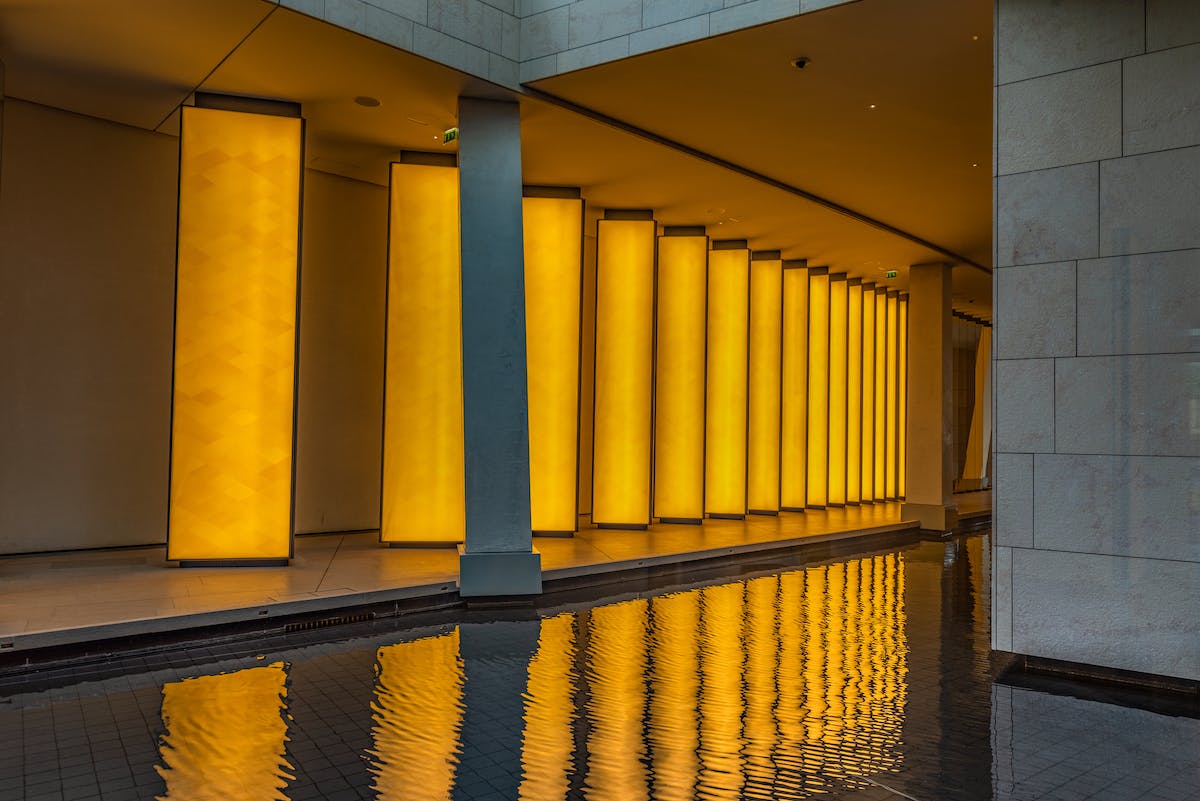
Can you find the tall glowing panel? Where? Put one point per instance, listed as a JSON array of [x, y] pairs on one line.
[[728, 364], [818, 387], [793, 450], [868, 393], [423, 498], [893, 354], [902, 395], [624, 371], [553, 228], [226, 736], [766, 331], [881, 318], [234, 384], [679, 376], [838, 331], [854, 398]]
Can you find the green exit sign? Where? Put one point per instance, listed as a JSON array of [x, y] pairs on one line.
[[891, 273], [449, 135]]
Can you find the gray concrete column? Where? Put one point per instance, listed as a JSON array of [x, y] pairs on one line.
[[498, 557], [929, 464]]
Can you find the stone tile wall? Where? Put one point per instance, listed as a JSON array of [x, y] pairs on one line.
[[513, 41], [1097, 323]]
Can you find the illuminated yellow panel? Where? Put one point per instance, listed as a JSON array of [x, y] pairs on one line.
[[624, 372], [892, 402], [679, 378], [793, 455], [548, 741], [423, 494], [417, 715], [838, 329], [881, 319], [818, 388], [868, 393], [766, 330], [225, 736], [587, 375], [674, 695], [902, 397], [235, 336], [616, 654], [553, 249], [728, 321], [854, 355]]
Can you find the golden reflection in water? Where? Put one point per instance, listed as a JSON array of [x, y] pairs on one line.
[[548, 743], [226, 736], [616, 664], [722, 657], [674, 689], [418, 712]]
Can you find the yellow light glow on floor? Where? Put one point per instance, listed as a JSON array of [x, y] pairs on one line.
[[893, 353], [235, 336], [725, 428], [838, 331], [854, 397], [679, 378], [868, 393], [417, 715], [624, 372], [548, 741], [553, 229], [423, 494], [902, 398], [766, 330], [793, 451], [881, 324], [818, 387], [225, 736]]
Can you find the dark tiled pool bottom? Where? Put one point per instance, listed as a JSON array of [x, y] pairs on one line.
[[863, 678]]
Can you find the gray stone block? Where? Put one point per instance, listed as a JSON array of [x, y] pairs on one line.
[[597, 20], [1012, 517], [500, 573], [1048, 215], [1040, 38], [1119, 505], [470, 20], [1144, 202], [1162, 99], [1139, 304], [686, 30], [416, 10], [1119, 612], [589, 55], [1141, 405], [661, 12], [1035, 311], [544, 33], [1002, 606], [1067, 118], [755, 12], [1170, 23], [388, 27], [350, 14], [1025, 406]]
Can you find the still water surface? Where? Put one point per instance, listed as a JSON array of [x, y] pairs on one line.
[[865, 678]]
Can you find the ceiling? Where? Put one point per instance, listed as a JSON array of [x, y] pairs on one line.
[[906, 163]]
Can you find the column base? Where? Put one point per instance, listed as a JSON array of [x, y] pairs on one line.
[[932, 516], [484, 573]]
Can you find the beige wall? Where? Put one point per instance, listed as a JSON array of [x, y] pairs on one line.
[[87, 222]]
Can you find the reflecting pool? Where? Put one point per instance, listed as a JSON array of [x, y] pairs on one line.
[[863, 677]]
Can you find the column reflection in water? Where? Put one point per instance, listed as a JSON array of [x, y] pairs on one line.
[[674, 689], [225, 736], [721, 664], [616, 666], [417, 715], [548, 743]]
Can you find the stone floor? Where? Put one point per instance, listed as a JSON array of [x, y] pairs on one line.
[[64, 598]]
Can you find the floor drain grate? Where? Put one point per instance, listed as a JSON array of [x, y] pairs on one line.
[[308, 625]]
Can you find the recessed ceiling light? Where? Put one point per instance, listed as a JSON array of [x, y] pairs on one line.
[[974, 163], [872, 105], [366, 100], [801, 62], [974, 37]]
